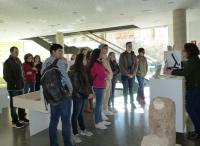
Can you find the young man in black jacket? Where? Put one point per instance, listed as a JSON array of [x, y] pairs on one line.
[[13, 75]]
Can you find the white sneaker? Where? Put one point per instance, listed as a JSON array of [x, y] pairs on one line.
[[114, 110], [86, 133], [77, 139], [101, 126], [108, 113], [104, 117], [106, 123]]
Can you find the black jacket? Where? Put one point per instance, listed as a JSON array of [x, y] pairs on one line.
[[38, 73], [115, 68], [13, 74], [80, 89], [191, 72]]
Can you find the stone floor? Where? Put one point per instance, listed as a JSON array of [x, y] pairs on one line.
[[128, 128]]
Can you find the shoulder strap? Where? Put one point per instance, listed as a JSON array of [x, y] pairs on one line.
[[55, 62]]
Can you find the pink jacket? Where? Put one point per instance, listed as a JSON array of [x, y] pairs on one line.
[[99, 74]]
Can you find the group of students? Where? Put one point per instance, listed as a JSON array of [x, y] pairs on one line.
[[92, 76], [21, 78]]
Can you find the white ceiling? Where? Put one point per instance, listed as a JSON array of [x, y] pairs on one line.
[[28, 18]]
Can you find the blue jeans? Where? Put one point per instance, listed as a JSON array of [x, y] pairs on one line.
[[21, 112], [193, 108], [62, 110], [29, 87], [128, 84], [98, 107], [140, 92], [77, 116]]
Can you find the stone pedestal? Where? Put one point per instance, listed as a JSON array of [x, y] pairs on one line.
[[162, 123]]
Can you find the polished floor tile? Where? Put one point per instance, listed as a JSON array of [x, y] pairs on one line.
[[128, 128]]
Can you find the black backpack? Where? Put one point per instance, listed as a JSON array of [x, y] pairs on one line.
[[53, 90]]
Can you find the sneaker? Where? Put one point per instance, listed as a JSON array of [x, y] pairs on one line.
[[101, 126], [142, 102], [133, 105], [86, 133], [104, 117], [114, 110], [77, 139], [106, 123], [18, 125], [108, 113], [193, 136], [25, 121]]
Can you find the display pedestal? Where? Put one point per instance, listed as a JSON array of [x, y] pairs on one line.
[[3, 99], [38, 116], [172, 87]]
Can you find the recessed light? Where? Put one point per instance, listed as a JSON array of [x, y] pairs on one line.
[[170, 2], [65, 30], [122, 14], [75, 12], [147, 11], [35, 8], [43, 20], [1, 21], [83, 17], [99, 9]]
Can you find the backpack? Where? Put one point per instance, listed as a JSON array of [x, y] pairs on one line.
[[53, 89]]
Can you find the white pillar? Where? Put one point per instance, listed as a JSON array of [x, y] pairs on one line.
[[179, 28], [60, 38]]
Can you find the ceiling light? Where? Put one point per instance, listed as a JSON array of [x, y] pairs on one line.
[[75, 12], [65, 30], [147, 11], [35, 8], [99, 9], [43, 20], [83, 17], [1, 21], [27, 22], [170, 2], [145, 0], [122, 14]]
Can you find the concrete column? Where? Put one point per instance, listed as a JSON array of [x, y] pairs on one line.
[[179, 28], [60, 38]]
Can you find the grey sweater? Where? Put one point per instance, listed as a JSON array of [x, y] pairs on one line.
[[63, 69]]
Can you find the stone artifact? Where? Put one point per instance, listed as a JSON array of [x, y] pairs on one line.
[[162, 114]]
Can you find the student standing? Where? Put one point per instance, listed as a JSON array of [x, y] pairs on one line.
[[141, 73], [128, 67], [29, 73], [81, 92], [13, 75], [38, 65], [62, 109], [98, 75], [115, 69], [104, 51]]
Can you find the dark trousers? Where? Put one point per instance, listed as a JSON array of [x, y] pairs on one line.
[[37, 86], [62, 110], [29, 87], [112, 93], [21, 112], [77, 116], [140, 92], [128, 84], [193, 108]]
